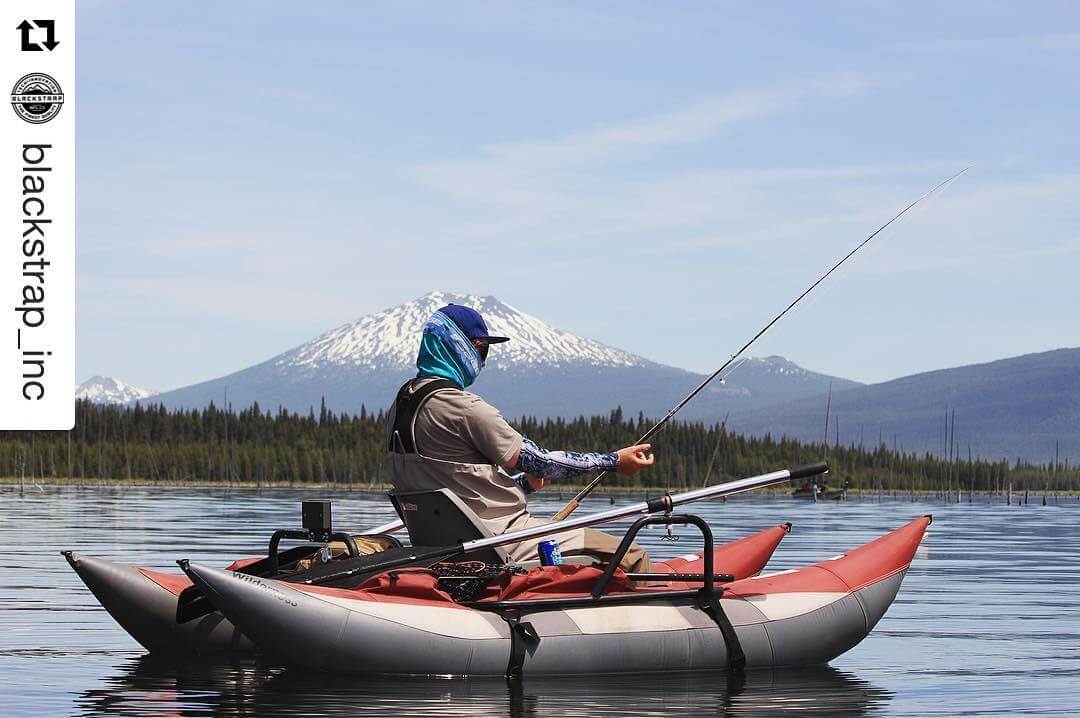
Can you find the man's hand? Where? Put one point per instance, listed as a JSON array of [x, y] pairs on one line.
[[536, 482], [633, 459]]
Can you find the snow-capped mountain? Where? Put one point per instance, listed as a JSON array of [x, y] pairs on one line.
[[777, 366], [388, 339], [543, 371], [109, 390]]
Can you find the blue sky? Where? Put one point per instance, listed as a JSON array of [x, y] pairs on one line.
[[662, 177]]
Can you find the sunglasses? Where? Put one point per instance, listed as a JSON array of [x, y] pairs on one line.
[[481, 349]]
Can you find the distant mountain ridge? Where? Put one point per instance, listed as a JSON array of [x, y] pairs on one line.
[[1026, 406], [543, 371]]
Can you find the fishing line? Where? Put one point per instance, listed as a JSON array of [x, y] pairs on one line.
[[581, 495]]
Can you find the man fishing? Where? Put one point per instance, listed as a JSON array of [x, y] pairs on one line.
[[442, 436]]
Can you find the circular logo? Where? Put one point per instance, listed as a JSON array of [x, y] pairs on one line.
[[37, 98]]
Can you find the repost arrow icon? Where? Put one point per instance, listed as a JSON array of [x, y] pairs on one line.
[[49, 26], [50, 33]]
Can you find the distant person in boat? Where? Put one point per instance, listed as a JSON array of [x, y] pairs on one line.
[[456, 440]]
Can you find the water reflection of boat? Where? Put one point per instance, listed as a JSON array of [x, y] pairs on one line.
[[151, 686]]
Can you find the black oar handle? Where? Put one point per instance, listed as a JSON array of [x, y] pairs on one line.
[[802, 472]]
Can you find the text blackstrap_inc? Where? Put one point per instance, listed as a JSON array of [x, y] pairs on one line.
[[31, 306]]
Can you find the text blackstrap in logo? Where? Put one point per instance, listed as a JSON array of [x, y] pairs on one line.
[[37, 98]]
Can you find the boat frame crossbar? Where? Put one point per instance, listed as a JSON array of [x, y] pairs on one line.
[[664, 504], [707, 598], [708, 579]]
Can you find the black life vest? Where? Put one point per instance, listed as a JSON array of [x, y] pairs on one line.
[[406, 406]]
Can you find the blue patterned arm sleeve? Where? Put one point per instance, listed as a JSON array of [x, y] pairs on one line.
[[537, 461], [523, 482]]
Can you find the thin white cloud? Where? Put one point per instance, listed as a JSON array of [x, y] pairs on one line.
[[557, 189], [249, 300], [981, 222], [967, 259], [962, 46], [694, 122], [776, 230]]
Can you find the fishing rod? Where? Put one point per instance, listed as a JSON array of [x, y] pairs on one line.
[[572, 505], [665, 503]]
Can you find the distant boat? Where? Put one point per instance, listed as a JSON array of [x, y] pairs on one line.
[[813, 492]]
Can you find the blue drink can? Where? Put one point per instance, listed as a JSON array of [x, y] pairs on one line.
[[549, 553]]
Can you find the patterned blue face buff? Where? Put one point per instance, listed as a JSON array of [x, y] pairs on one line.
[[446, 352]]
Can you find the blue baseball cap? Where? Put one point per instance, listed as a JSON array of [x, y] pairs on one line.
[[471, 323]]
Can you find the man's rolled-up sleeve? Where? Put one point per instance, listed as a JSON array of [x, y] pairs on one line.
[[490, 433]]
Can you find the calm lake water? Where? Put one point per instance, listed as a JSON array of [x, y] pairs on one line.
[[986, 623]]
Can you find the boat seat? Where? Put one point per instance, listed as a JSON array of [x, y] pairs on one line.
[[439, 517]]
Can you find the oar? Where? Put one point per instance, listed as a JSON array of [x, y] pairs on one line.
[[664, 503], [580, 496], [387, 528]]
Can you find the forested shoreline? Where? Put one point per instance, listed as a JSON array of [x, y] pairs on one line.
[[259, 447]]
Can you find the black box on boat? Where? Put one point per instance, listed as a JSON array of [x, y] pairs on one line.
[[316, 515]]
